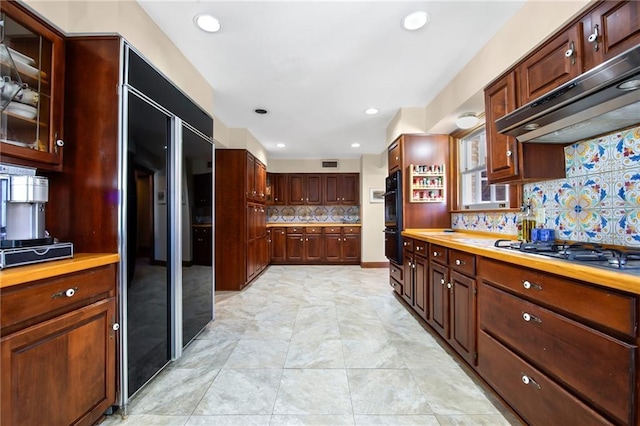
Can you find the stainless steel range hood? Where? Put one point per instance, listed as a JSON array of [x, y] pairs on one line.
[[600, 101]]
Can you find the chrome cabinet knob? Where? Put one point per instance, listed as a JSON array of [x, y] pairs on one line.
[[70, 292], [529, 381], [593, 37], [435, 254], [449, 285], [442, 281], [526, 284], [509, 153], [459, 262]]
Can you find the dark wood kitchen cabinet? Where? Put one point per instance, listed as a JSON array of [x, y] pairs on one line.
[[507, 159], [304, 245], [341, 189], [422, 150], [415, 275], [394, 156], [579, 360], [33, 141], [452, 298], [241, 244], [278, 245], [608, 30], [555, 63], [256, 179], [277, 189], [58, 345], [305, 189], [342, 244]]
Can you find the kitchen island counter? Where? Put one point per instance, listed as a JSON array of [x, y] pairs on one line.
[[482, 244]]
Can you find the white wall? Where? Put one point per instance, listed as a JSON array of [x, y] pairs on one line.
[[372, 175], [276, 165], [530, 26], [128, 19]]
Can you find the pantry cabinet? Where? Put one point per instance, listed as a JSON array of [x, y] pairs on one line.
[[32, 53], [58, 344], [241, 245]]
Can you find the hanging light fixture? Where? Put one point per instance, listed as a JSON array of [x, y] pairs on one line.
[[467, 120]]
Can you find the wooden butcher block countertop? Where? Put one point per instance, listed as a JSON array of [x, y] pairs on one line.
[[482, 244], [39, 271]]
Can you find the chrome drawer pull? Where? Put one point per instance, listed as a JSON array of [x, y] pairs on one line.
[[70, 292], [529, 285], [528, 317], [529, 381]]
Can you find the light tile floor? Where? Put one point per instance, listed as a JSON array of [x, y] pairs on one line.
[[314, 345]]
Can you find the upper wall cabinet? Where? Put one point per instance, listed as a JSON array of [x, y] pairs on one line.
[[342, 189], [610, 29], [604, 31], [555, 63], [32, 70]]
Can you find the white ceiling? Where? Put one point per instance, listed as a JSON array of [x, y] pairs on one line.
[[317, 65]]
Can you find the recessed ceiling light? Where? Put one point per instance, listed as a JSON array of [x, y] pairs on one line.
[[280, 145], [371, 111], [260, 111], [355, 145], [415, 20], [207, 23]]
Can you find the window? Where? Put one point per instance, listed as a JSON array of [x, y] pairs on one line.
[[475, 191]]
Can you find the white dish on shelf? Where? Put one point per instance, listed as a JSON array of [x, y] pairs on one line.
[[22, 110], [22, 67], [20, 57]]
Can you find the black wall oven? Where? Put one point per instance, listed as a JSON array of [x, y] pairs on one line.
[[393, 217]]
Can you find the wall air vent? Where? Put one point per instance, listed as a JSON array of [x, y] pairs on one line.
[[329, 164]]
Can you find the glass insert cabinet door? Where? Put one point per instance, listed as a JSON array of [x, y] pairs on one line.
[[31, 87]]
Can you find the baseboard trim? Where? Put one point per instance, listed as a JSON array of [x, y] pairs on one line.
[[374, 265]]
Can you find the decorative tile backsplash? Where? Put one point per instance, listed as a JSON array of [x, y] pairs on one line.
[[328, 214], [598, 201]]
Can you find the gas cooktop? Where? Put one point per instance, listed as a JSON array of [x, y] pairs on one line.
[[627, 261]]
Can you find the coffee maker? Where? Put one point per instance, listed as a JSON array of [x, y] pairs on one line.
[[23, 236], [22, 213]]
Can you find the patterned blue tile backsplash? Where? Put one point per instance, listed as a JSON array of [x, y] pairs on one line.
[[597, 202], [327, 214]]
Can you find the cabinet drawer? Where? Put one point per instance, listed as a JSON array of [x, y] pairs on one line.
[[332, 230], [420, 248], [351, 230], [313, 230], [397, 287], [531, 394], [462, 262], [616, 311], [438, 253], [594, 364], [24, 305], [407, 244], [295, 230], [395, 272]]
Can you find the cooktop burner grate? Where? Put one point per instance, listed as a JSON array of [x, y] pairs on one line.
[[593, 254]]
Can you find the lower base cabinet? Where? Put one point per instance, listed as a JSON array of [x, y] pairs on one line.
[[539, 400], [315, 245], [559, 351], [60, 370]]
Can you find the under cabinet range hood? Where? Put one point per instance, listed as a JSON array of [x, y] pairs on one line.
[[600, 101]]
